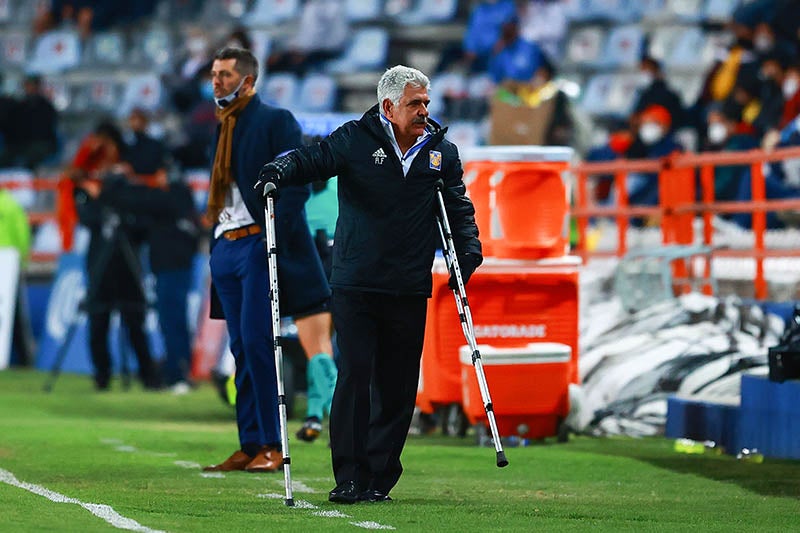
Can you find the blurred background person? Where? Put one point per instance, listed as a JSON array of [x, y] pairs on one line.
[[33, 129], [514, 58], [656, 91]]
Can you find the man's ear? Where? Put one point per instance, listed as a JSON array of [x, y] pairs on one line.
[[387, 107]]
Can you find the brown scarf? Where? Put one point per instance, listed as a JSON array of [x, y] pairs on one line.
[[221, 175]]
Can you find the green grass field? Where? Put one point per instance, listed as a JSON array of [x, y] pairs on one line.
[[140, 453]]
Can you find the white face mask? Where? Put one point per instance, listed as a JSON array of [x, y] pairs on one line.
[[646, 79], [226, 100], [790, 86], [717, 132], [651, 132], [763, 43]]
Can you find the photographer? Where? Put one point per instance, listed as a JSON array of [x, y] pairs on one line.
[[113, 269]]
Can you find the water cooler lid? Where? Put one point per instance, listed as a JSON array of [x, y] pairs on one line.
[[535, 352]]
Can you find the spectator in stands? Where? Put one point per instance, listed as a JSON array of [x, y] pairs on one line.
[[321, 35], [619, 142], [654, 140], [791, 93], [146, 155], [481, 37], [200, 124], [545, 23], [7, 106], [542, 88], [760, 99], [514, 58], [33, 133], [725, 133], [195, 55], [91, 15], [15, 232], [655, 91]]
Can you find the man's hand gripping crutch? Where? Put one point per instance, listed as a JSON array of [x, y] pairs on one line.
[[270, 191], [464, 314]]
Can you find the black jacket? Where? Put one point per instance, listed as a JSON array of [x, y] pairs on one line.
[[169, 217], [386, 234]]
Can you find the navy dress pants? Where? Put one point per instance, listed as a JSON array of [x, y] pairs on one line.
[[172, 291], [240, 275]]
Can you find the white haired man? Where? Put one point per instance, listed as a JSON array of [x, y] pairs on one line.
[[388, 164]]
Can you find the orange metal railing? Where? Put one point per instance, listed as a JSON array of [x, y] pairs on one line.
[[677, 205]]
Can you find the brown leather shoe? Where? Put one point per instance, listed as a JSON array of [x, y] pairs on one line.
[[237, 461], [268, 459]]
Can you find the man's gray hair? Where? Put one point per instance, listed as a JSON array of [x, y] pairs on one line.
[[394, 81]]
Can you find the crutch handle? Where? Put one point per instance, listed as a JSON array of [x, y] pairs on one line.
[[439, 185], [269, 188]]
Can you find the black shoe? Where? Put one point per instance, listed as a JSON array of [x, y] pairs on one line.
[[374, 495], [311, 429], [344, 493]]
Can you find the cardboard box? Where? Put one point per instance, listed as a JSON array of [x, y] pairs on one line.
[[512, 124]]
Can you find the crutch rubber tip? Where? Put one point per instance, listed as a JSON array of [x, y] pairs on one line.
[[289, 502], [501, 459]]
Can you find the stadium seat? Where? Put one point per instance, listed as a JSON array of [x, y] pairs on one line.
[[366, 51], [430, 12], [106, 48], [623, 94], [5, 11], [690, 86], [464, 134], [55, 51], [585, 45], [624, 46], [720, 10], [692, 49], [597, 93], [363, 10], [576, 10], [317, 93], [280, 89], [685, 10], [102, 94], [272, 12], [155, 48], [612, 10], [141, 90], [58, 92], [47, 239], [649, 9], [480, 86], [14, 47], [663, 39], [23, 191]]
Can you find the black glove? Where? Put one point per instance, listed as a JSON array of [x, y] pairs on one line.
[[270, 177], [467, 263]]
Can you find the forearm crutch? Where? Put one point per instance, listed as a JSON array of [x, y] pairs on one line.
[[464, 314], [272, 260]]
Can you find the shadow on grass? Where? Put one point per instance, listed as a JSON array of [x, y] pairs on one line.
[[773, 477]]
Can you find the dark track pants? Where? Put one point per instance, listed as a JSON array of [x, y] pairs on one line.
[[380, 338], [239, 272]]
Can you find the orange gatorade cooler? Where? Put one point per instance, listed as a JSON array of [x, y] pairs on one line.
[[529, 387], [513, 303], [521, 197]]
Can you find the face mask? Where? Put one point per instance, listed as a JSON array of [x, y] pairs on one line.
[[207, 90], [646, 79], [790, 86], [763, 43], [650, 133], [717, 133], [226, 100]]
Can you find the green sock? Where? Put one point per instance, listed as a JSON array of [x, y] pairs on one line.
[[321, 375]]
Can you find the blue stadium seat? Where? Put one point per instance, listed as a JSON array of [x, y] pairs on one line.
[[23, 193], [649, 9], [597, 93], [272, 12], [686, 10], [612, 10], [480, 86], [624, 46], [446, 85], [363, 10], [429, 12], [585, 45], [103, 94], [689, 85], [577, 10], [14, 46], [106, 48], [623, 94], [59, 93], [141, 90], [366, 51], [317, 93], [663, 39], [55, 51], [720, 10], [691, 49], [155, 48], [281, 89], [464, 134], [6, 10]]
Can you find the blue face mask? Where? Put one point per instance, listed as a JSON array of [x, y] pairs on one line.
[[207, 90], [226, 100]]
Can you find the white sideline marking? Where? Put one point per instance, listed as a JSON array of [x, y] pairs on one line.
[[125, 448], [218, 475], [186, 464], [299, 486], [270, 496], [331, 514], [302, 504], [106, 512], [369, 524]]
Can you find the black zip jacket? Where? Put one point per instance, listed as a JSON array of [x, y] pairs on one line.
[[386, 234]]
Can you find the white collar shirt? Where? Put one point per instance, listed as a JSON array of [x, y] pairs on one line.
[[407, 158]]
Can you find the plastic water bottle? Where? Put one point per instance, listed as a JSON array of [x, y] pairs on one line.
[[750, 455], [689, 446]]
